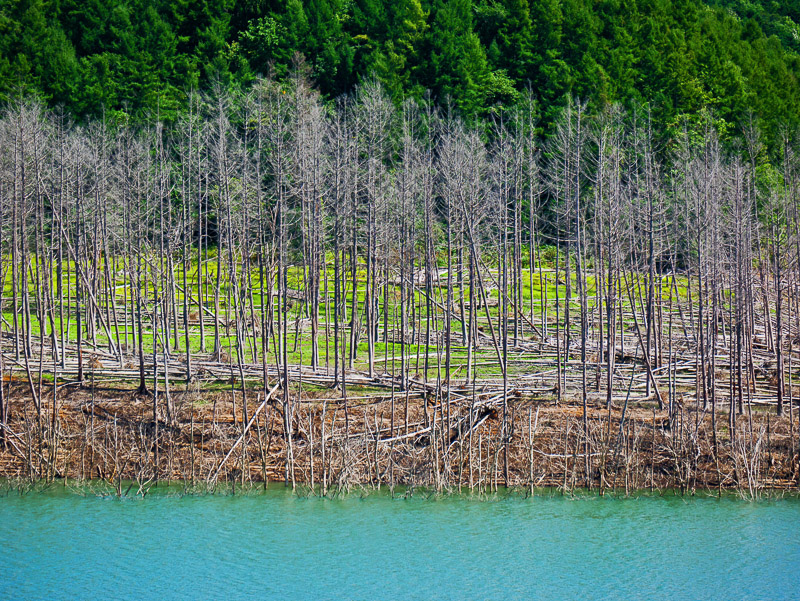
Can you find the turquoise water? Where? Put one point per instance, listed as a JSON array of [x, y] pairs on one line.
[[274, 545]]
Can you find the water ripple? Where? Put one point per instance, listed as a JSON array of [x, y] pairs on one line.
[[277, 546]]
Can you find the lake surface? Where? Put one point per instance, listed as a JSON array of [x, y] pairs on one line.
[[276, 545]]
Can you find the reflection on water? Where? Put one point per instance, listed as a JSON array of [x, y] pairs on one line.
[[274, 545]]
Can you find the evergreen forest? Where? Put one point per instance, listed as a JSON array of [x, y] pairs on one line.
[[142, 58]]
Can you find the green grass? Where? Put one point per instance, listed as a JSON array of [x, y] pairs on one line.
[[534, 291]]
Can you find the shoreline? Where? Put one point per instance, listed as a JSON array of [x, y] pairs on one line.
[[106, 435], [179, 489]]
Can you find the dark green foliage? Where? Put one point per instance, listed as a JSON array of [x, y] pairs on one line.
[[137, 56], [780, 18], [683, 56], [457, 67]]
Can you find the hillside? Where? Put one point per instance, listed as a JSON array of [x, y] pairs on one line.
[[144, 56]]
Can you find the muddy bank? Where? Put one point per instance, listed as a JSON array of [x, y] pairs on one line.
[[324, 439]]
